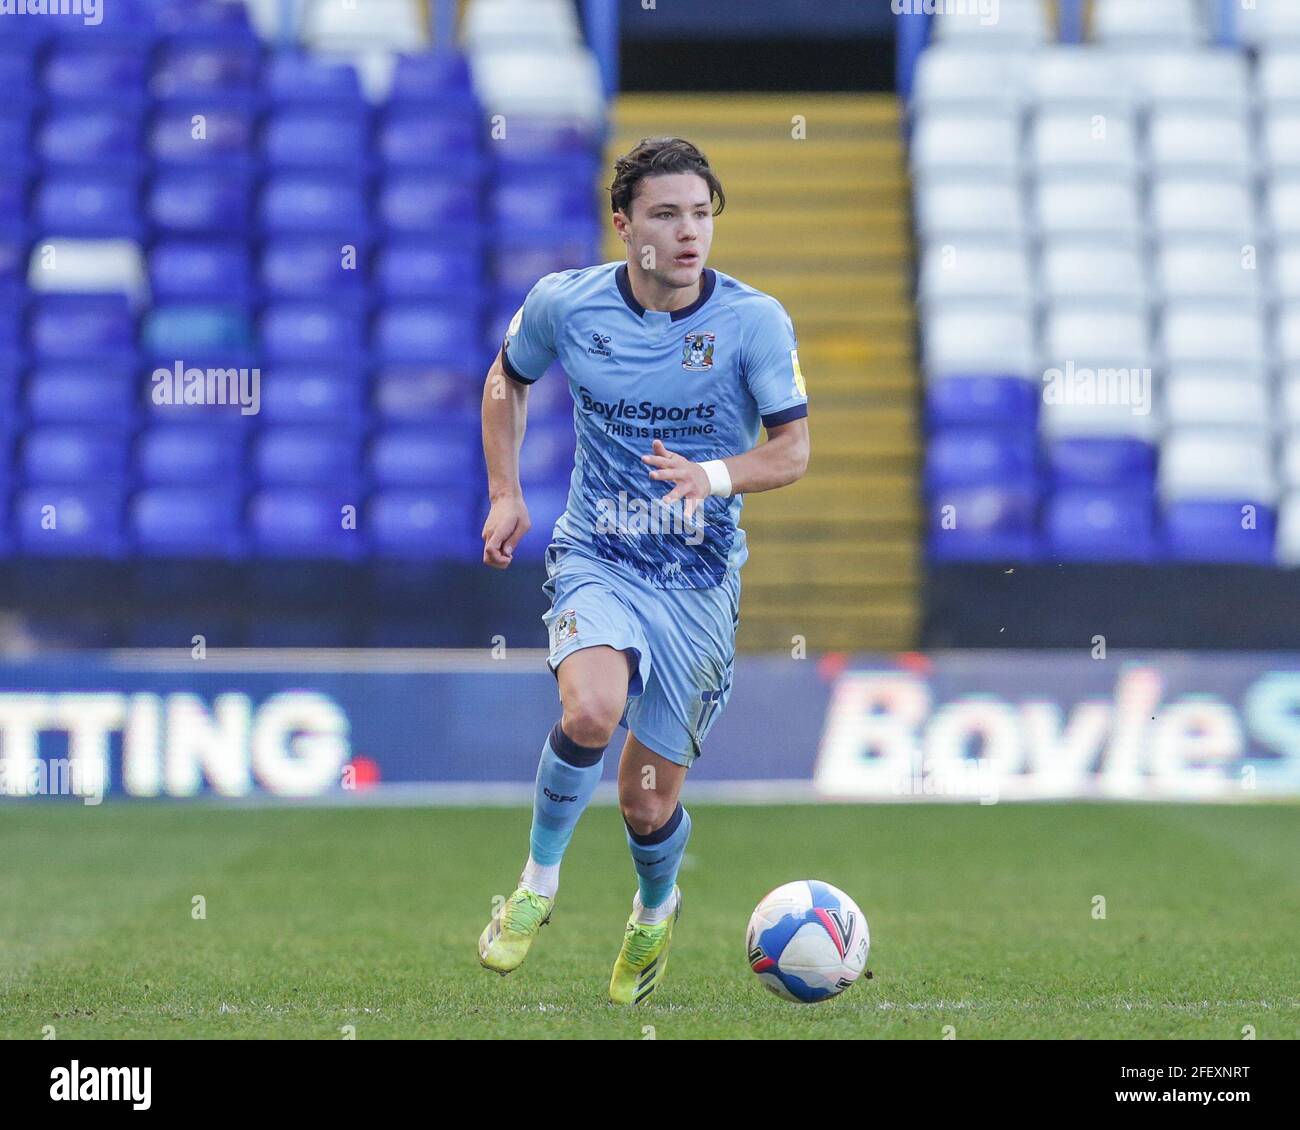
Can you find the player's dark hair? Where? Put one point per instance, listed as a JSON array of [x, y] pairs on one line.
[[661, 156]]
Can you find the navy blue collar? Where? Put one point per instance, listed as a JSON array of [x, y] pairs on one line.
[[708, 281]]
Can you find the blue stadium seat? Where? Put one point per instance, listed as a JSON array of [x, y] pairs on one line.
[[15, 134], [414, 332], [206, 20], [312, 394], [190, 202], [436, 74], [188, 521], [308, 456], [1213, 532], [193, 330], [305, 331], [978, 456], [402, 457], [17, 74], [306, 138], [102, 137], [182, 453], [1101, 461], [533, 203], [200, 268], [293, 78], [424, 137], [992, 523], [80, 69], [424, 524], [428, 268], [442, 396], [226, 139], [424, 203], [324, 203], [75, 327], [546, 457], [988, 400], [84, 203], [311, 267], [550, 398], [299, 522], [1101, 524], [545, 505], [90, 392], [65, 521], [58, 455], [184, 68], [522, 257]]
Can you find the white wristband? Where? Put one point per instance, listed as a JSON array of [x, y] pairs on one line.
[[719, 478]]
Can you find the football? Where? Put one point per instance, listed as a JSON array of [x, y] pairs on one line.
[[807, 941]]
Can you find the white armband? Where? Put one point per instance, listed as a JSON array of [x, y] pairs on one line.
[[719, 478]]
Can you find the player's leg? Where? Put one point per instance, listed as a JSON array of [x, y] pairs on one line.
[[692, 636], [593, 693], [658, 829]]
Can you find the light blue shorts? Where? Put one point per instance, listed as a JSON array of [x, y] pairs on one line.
[[683, 643]]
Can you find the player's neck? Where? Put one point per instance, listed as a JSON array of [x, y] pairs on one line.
[[655, 296]]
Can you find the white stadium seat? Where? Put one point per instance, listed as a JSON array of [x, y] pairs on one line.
[[1289, 464], [959, 206], [1224, 373], [1281, 141], [1206, 332], [1194, 80], [1288, 530], [966, 141], [1191, 268], [1206, 401], [521, 24], [1277, 77], [1181, 141], [1289, 399], [557, 84], [996, 25], [1077, 268], [1286, 271], [1102, 142], [970, 79], [1083, 78], [1268, 23], [1145, 23], [375, 25], [1216, 463], [1134, 420], [1288, 334], [972, 268], [1284, 206], [1070, 205], [989, 338], [88, 266], [1203, 206], [1095, 333]]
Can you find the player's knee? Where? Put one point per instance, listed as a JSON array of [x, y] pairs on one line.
[[591, 718], [644, 810]]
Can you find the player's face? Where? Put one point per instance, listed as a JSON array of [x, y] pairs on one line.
[[670, 229]]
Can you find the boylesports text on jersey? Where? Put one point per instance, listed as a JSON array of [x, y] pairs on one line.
[[614, 413]]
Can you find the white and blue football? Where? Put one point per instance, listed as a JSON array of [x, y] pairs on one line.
[[807, 941]]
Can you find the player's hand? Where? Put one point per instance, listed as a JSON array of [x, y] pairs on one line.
[[691, 479], [506, 523]]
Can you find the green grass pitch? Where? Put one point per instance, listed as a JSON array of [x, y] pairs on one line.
[[982, 919]]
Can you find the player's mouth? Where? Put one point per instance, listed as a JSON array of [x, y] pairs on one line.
[[687, 259]]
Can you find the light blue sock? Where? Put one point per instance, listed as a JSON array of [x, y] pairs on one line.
[[658, 857], [567, 775]]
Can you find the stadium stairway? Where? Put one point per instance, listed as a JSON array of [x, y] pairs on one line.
[[820, 222]]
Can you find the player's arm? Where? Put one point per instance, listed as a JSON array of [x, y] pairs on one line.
[[505, 413], [782, 460]]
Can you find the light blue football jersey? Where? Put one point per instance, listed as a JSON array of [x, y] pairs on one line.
[[702, 379]]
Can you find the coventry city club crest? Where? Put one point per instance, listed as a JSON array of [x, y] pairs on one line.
[[697, 353]]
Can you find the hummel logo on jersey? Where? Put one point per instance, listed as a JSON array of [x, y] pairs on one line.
[[600, 346]]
